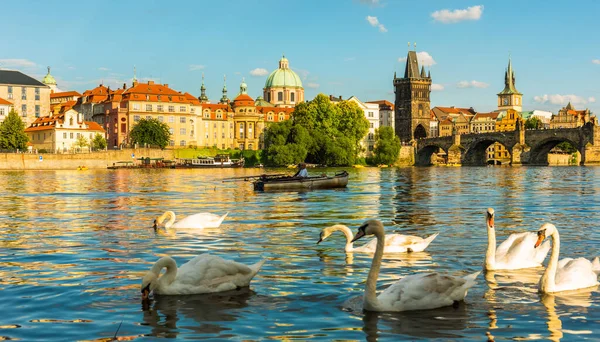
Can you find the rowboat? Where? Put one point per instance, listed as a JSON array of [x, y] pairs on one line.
[[286, 183]]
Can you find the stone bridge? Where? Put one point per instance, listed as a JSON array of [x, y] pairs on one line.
[[527, 147]]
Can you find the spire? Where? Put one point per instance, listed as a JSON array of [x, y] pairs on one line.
[[203, 97], [243, 86], [423, 75], [412, 66], [569, 106], [429, 73], [224, 98], [135, 81], [509, 80]]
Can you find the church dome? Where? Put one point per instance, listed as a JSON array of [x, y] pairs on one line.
[[283, 77], [48, 79], [243, 100]]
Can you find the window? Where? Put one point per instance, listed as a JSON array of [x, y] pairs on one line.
[[159, 108], [370, 114], [281, 117], [182, 143], [1, 111], [171, 142], [292, 97], [136, 118], [192, 109], [148, 117], [219, 116], [160, 118], [280, 96], [24, 110], [215, 135], [223, 135], [123, 128], [241, 131], [136, 106], [182, 109], [147, 97], [182, 131], [270, 117], [171, 131], [37, 94], [171, 109], [37, 110], [182, 119], [65, 135], [23, 93], [148, 107], [71, 135], [78, 135], [171, 119], [371, 125], [215, 125], [223, 125]]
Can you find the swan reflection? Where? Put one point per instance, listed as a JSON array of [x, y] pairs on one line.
[[210, 312]]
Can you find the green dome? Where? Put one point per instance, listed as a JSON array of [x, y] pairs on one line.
[[48, 79], [283, 77]]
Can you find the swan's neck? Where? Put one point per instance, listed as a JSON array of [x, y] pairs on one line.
[[548, 280], [370, 300], [490, 254], [348, 233], [171, 219], [171, 273]]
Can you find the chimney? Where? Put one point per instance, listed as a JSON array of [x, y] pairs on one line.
[[340, 97], [150, 82], [124, 85], [166, 85]]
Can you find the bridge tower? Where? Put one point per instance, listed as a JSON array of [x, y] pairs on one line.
[[509, 97], [412, 104]]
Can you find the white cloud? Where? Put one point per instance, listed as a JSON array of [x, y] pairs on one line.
[[373, 21], [103, 69], [194, 67], [472, 84], [312, 85], [16, 63], [596, 61], [423, 57], [451, 17], [369, 2], [557, 99], [259, 72], [437, 87]]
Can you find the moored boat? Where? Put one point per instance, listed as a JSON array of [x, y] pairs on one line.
[[218, 161], [286, 183]]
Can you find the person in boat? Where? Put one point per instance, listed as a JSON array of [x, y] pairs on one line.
[[302, 172]]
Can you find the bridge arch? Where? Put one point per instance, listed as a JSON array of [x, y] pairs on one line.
[[476, 153], [420, 132], [424, 154], [538, 155]]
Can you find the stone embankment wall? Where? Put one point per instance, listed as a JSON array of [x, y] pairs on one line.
[[94, 160]]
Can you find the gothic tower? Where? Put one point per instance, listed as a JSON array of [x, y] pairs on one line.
[[411, 113], [509, 97]]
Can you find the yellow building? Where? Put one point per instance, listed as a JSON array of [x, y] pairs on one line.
[[510, 102], [28, 96], [58, 133]]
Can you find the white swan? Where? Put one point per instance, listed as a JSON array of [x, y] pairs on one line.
[[516, 252], [203, 274], [394, 243], [199, 221], [567, 274], [414, 292]]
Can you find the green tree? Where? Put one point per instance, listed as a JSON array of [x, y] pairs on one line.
[[566, 147], [12, 132], [387, 146], [81, 142], [150, 132], [534, 123], [98, 143]]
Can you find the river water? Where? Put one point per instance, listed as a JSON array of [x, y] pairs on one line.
[[74, 246]]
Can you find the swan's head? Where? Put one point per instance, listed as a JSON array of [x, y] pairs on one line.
[[547, 229], [370, 227], [489, 217], [149, 283], [328, 231]]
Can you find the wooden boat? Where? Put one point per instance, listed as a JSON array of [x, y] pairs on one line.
[[219, 161], [266, 183]]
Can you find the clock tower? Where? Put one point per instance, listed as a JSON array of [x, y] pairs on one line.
[[510, 98]]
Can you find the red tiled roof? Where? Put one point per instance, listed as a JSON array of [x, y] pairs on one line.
[[5, 102], [243, 100], [49, 122], [64, 94], [491, 115], [383, 103]]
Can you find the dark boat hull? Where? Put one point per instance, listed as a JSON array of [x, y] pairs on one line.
[[340, 180]]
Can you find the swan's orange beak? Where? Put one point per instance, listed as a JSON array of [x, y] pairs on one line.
[[490, 220], [146, 292], [541, 237]]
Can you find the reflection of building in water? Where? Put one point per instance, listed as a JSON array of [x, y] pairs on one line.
[[416, 192]]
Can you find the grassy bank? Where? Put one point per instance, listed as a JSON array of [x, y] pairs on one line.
[[251, 157]]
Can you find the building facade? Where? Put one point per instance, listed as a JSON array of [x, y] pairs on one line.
[[29, 97], [283, 87], [5, 107], [386, 113], [412, 101], [59, 133], [371, 112], [568, 117]]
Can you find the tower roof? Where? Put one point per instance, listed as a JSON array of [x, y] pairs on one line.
[[412, 65], [283, 76], [48, 79], [509, 81]]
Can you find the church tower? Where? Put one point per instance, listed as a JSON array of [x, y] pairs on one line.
[[411, 111], [509, 97]]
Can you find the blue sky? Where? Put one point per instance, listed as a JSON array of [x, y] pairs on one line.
[[338, 47]]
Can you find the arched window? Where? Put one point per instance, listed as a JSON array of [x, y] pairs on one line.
[[71, 121], [292, 97], [280, 96]]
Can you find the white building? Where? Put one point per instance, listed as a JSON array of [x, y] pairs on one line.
[[543, 115], [4, 109], [371, 111]]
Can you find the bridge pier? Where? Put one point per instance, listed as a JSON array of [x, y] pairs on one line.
[[519, 155]]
